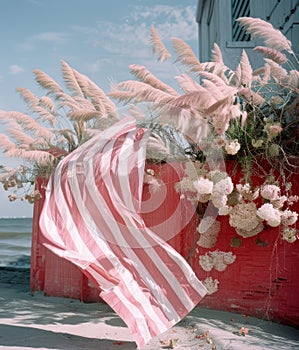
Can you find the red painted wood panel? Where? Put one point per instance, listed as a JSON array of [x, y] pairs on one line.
[[261, 282], [52, 274], [37, 258]]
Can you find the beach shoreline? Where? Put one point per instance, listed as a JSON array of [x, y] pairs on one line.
[[33, 320]]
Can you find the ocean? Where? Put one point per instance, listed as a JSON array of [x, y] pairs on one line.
[[15, 242]]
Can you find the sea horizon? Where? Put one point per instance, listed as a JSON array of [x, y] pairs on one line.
[[15, 241], [16, 217]]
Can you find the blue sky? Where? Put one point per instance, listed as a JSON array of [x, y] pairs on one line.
[[97, 38]]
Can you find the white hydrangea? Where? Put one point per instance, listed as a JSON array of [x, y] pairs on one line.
[[206, 262], [219, 201], [250, 232], [225, 210], [289, 234], [203, 186], [288, 217], [243, 216], [217, 260], [223, 187], [292, 199], [279, 202], [211, 285], [229, 258], [243, 188], [270, 214], [270, 192], [247, 192], [222, 259]]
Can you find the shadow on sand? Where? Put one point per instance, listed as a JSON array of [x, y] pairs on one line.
[[33, 338]]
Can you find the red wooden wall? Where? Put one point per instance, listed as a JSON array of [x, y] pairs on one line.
[[262, 282]]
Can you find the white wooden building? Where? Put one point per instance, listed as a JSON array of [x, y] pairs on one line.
[[216, 23]]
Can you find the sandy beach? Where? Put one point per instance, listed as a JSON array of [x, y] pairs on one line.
[[49, 323]]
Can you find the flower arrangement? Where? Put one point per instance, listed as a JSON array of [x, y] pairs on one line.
[[249, 208], [246, 116]]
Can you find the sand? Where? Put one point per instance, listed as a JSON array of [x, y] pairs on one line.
[[37, 321]]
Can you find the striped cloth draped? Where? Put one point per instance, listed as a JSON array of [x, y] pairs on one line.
[[91, 217]]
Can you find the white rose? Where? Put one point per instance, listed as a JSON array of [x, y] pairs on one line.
[[232, 147]]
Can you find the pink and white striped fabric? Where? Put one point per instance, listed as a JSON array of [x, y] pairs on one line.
[[91, 217]]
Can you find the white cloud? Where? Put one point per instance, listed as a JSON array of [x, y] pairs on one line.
[[128, 41], [131, 36], [15, 69], [54, 37], [170, 20]]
